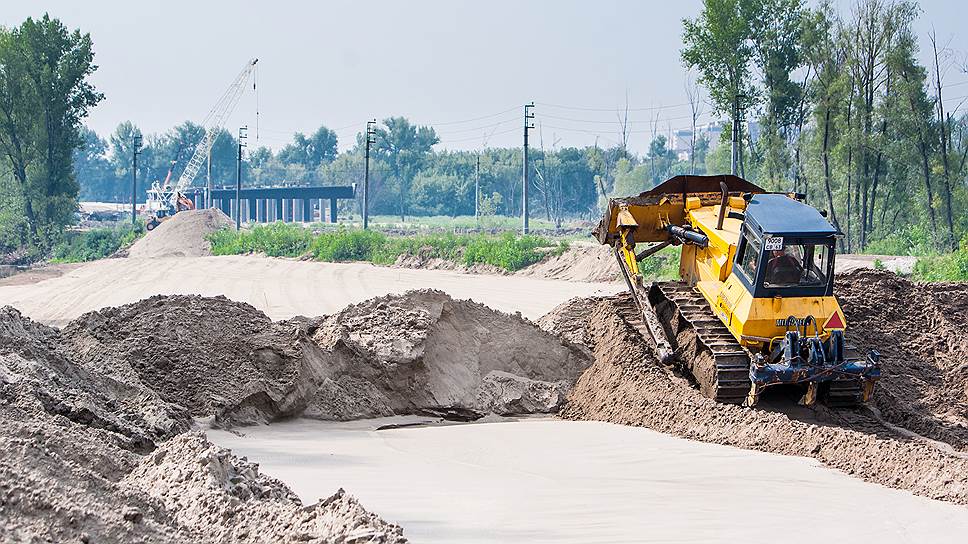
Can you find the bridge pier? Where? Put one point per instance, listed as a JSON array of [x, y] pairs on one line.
[[307, 210]]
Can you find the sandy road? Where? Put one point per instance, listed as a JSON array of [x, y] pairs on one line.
[[582, 482], [281, 288]]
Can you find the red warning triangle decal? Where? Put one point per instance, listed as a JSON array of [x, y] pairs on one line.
[[835, 322]]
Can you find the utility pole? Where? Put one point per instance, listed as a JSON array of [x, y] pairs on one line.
[[734, 160], [238, 179], [524, 195], [477, 191], [134, 178], [208, 180], [370, 133]]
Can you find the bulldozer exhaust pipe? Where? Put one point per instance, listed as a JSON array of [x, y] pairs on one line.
[[722, 205]]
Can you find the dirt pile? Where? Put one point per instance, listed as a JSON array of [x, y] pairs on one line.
[[213, 356], [582, 261], [426, 353], [225, 499], [625, 385], [418, 353], [919, 330], [181, 236], [87, 458]]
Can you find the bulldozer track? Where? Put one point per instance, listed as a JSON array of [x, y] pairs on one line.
[[705, 349], [704, 346]]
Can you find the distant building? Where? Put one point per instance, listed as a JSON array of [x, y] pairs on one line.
[[680, 140]]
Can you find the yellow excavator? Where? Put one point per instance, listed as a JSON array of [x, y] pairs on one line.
[[754, 306]]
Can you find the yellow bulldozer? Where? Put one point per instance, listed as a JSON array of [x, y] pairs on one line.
[[754, 306]]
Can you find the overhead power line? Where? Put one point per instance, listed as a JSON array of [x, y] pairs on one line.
[[483, 127], [617, 122], [450, 141], [617, 108]]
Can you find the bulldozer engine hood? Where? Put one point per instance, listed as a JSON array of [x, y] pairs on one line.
[[663, 205]]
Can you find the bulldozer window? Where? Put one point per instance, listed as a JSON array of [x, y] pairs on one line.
[[749, 256], [797, 265]]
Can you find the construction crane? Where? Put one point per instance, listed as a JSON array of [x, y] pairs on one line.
[[754, 307], [165, 200]]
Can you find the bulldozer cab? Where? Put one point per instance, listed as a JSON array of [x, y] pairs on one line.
[[786, 249]]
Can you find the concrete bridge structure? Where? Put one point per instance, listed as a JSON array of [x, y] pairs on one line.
[[287, 204]]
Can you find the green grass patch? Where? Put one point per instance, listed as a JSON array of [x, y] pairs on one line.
[[274, 239], [664, 265], [89, 245], [508, 250], [945, 267]]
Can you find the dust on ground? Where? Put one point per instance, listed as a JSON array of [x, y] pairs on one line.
[[183, 235], [923, 388], [87, 458]]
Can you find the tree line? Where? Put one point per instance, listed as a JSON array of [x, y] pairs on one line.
[[848, 115], [408, 175]]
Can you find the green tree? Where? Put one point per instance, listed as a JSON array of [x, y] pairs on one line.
[[93, 171], [404, 148], [44, 97], [319, 148], [717, 43]]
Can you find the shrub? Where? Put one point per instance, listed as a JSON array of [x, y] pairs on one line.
[[664, 265], [88, 245], [351, 245], [947, 267], [274, 240], [508, 251]]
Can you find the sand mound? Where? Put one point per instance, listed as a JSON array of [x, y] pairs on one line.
[[417, 353], [919, 329], [226, 499], [426, 353], [582, 261], [181, 236], [625, 385], [85, 458], [211, 355]]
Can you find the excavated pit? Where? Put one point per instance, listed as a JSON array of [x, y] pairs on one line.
[[913, 445]]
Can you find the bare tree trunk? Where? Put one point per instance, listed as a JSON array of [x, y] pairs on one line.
[[926, 172], [695, 109], [945, 135], [623, 121], [825, 154], [877, 173]]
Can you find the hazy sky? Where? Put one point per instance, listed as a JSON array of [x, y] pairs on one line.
[[340, 63]]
